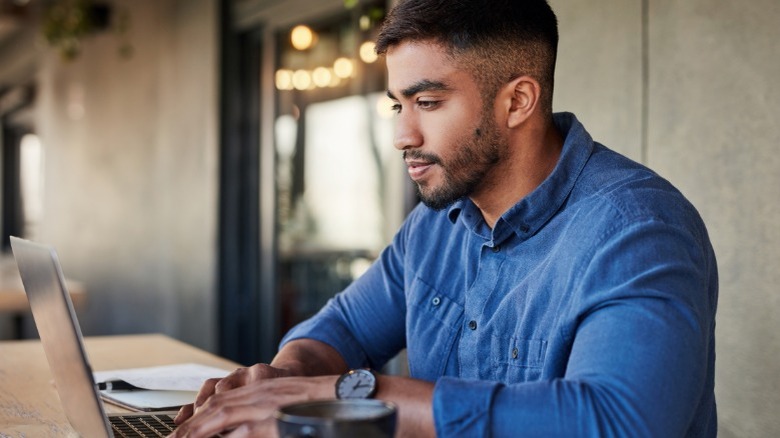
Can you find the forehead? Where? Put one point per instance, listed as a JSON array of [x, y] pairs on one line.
[[411, 63]]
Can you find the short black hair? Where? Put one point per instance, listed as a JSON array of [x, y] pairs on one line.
[[496, 40]]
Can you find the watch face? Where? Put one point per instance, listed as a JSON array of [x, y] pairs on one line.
[[356, 384]]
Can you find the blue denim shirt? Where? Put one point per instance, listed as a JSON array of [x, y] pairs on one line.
[[588, 310]]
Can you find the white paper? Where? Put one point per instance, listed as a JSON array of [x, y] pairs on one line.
[[149, 400], [179, 377]]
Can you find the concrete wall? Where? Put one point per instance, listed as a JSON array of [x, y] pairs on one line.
[[599, 70], [713, 105], [131, 171], [699, 106]]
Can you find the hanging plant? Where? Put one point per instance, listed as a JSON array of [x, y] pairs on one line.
[[67, 22]]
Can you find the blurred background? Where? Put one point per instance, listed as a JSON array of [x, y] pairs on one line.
[[215, 170]]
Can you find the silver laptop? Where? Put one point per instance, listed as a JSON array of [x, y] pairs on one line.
[[62, 342]]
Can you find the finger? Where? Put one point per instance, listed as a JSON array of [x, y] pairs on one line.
[[226, 389], [245, 376], [184, 413], [206, 391], [239, 377], [262, 371], [218, 417]]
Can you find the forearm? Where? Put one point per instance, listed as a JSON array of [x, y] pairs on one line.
[[307, 357], [414, 399]]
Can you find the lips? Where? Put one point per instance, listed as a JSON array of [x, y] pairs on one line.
[[418, 168]]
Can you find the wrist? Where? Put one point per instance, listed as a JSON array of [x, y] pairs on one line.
[[290, 368], [307, 357], [356, 384]]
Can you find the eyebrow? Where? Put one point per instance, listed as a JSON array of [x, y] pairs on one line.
[[424, 85]]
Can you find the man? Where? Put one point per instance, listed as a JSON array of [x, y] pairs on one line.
[[548, 286]]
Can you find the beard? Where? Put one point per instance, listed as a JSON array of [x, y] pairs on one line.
[[465, 171]]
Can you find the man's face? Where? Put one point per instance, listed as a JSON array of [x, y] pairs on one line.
[[449, 138]]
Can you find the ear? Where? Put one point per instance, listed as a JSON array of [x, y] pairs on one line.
[[520, 97]]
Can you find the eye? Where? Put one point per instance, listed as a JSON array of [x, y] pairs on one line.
[[427, 104], [396, 107]]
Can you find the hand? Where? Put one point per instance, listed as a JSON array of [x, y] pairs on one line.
[[248, 409], [238, 378]]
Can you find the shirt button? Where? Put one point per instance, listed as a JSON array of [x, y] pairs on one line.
[[473, 324], [436, 301], [496, 248], [514, 353]]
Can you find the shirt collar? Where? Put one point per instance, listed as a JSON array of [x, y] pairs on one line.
[[532, 212]]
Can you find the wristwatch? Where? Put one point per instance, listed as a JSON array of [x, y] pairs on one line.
[[357, 383]]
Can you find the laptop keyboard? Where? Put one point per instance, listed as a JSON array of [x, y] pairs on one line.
[[142, 425]]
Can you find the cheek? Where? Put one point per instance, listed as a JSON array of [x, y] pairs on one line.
[[447, 133]]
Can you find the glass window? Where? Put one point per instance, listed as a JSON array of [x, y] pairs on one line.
[[31, 182], [339, 181]]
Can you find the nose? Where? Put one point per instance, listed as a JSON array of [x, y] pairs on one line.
[[407, 133]]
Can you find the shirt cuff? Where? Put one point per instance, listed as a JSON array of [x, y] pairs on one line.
[[462, 407]]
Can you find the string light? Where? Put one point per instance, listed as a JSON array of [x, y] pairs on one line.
[[301, 80], [321, 76], [284, 79], [302, 37], [344, 67], [368, 52]]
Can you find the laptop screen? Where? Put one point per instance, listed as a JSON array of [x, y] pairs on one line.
[[60, 336]]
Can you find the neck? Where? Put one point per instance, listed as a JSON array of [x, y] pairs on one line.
[[532, 155]]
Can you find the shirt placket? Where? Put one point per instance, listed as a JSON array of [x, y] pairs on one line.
[[474, 351]]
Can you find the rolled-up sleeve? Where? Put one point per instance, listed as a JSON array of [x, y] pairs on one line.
[[463, 407]]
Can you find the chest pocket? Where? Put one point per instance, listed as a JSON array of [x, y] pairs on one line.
[[433, 325], [517, 360]]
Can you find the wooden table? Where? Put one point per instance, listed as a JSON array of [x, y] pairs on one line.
[[29, 405]]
